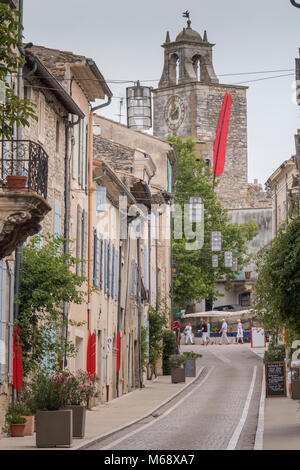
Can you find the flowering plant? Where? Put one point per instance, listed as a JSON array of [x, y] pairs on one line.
[[79, 388], [48, 392]]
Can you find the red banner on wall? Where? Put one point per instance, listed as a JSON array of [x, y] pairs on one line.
[[91, 354], [17, 360]]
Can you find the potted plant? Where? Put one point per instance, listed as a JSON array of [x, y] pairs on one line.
[[190, 365], [177, 364], [80, 387], [16, 423], [21, 408], [54, 423]]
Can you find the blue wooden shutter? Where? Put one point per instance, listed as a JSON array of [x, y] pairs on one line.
[[113, 272], [78, 239], [105, 266], [108, 269], [96, 259], [3, 272]]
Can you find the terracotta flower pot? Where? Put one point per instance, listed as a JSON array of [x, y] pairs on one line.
[[17, 430], [29, 425], [15, 182]]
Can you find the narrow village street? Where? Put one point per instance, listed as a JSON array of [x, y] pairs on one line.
[[218, 412]]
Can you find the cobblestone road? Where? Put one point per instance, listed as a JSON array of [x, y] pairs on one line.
[[209, 415]]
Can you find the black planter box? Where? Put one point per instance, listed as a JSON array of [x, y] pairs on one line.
[[178, 375]]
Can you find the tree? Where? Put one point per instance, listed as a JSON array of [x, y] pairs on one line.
[[196, 278], [158, 320], [47, 281], [277, 291], [13, 110]]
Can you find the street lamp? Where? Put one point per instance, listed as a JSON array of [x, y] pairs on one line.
[[216, 241]]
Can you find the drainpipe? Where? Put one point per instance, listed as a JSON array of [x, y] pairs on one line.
[[119, 310], [139, 309], [90, 204]]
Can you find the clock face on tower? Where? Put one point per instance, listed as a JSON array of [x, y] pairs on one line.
[[174, 112]]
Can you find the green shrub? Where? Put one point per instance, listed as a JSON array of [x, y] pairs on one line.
[[169, 348], [275, 353], [177, 360], [15, 418], [191, 355]]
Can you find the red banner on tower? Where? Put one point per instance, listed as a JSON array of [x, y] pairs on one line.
[[222, 135]]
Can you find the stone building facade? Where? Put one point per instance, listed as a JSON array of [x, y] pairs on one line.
[[188, 103]]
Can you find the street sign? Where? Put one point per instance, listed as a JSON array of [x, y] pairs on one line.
[[258, 338], [108, 344]]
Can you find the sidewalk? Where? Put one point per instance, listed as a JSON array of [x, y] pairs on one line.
[[281, 421], [114, 414], [281, 424]]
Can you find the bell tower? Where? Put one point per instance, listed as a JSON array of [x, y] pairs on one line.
[[188, 103]]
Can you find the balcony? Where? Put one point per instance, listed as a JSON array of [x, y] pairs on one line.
[[22, 207]]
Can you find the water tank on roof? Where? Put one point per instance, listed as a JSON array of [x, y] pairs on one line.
[[139, 111]]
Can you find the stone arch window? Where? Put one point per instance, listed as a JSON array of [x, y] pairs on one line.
[[174, 69], [197, 60]]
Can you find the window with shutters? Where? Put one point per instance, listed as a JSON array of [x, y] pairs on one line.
[[113, 271], [109, 269], [84, 242], [96, 259], [75, 157], [105, 266], [79, 239]]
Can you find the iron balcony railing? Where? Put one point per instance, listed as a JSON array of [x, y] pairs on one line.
[[25, 158]]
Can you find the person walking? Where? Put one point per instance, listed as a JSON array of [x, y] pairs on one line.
[[240, 333], [188, 333], [223, 330], [204, 331]]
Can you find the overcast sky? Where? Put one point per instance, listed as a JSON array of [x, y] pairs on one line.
[[124, 39]]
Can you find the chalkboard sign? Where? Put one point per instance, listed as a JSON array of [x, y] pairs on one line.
[[275, 379], [190, 368]]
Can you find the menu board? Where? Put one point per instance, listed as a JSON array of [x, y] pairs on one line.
[[275, 379], [190, 368]]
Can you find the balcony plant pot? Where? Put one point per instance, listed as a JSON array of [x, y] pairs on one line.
[[15, 182], [17, 430], [79, 418], [54, 428], [178, 375], [29, 425]]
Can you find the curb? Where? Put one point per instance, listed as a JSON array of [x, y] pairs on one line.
[[101, 437], [259, 438]]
